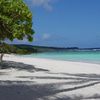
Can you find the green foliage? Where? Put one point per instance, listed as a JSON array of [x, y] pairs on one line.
[[24, 49], [15, 20], [2, 48], [5, 48]]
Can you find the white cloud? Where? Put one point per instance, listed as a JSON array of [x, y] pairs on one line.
[[44, 3], [47, 4], [46, 36]]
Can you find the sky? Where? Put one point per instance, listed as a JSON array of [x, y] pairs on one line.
[[65, 23]]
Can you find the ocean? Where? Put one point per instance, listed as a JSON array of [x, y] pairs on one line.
[[77, 56]]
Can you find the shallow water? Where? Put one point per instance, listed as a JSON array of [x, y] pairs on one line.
[[80, 56]]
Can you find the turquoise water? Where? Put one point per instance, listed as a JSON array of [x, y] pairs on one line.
[[82, 56]]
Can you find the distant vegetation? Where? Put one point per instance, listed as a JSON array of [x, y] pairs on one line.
[[28, 49], [24, 49], [16, 49]]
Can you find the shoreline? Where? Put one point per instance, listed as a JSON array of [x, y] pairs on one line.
[[57, 65], [54, 80], [69, 60], [81, 61]]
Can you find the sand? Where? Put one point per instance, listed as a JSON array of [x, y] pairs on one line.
[[46, 79]]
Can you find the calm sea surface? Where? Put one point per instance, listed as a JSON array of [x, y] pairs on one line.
[[81, 56]]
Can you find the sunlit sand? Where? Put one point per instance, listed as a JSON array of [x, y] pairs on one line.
[[45, 79]]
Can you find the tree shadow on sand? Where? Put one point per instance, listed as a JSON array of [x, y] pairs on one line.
[[79, 81], [28, 91], [31, 90], [19, 66]]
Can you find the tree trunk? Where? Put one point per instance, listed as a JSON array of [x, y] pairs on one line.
[[1, 57]]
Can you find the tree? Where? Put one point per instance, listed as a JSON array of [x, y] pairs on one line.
[[4, 48], [15, 21]]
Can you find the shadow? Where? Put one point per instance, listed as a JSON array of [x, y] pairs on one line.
[[31, 90], [57, 85], [60, 78], [95, 96], [91, 77], [19, 66], [76, 82], [28, 91], [78, 87], [84, 75], [3, 73], [25, 92], [79, 97], [72, 82]]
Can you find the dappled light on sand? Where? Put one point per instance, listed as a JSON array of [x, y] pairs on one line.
[[21, 81]]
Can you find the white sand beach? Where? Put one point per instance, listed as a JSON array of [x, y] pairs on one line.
[[47, 79]]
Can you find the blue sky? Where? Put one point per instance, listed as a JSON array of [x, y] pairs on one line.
[[66, 23]]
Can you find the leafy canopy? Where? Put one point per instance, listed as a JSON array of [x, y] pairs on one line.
[[15, 20]]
